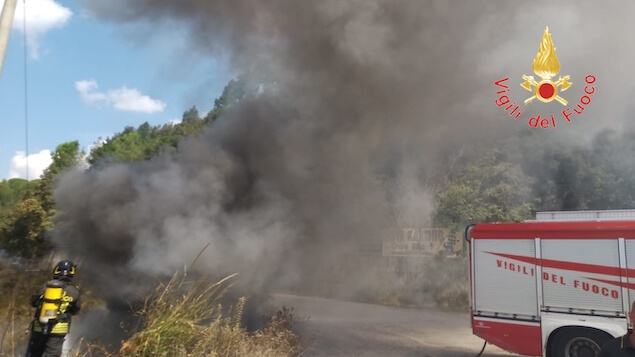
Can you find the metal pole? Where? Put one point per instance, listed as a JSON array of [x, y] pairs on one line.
[[6, 21]]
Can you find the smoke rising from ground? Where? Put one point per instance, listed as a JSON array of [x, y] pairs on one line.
[[286, 182]]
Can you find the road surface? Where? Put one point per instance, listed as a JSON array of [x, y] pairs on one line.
[[339, 328]]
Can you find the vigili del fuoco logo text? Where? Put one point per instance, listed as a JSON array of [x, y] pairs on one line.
[[546, 66]]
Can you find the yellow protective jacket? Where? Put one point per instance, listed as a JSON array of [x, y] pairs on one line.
[[70, 306]]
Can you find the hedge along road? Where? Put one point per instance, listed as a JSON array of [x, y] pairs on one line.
[[340, 328]]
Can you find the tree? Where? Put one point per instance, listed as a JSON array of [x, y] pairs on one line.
[[247, 85], [574, 177], [65, 156], [233, 92], [12, 191], [25, 227], [190, 115], [147, 141], [489, 190], [144, 130], [23, 233]]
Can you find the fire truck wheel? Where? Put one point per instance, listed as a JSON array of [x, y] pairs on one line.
[[578, 342]]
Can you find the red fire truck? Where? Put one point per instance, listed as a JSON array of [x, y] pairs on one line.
[[557, 286]]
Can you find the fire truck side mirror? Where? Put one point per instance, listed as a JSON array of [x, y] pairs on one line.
[[467, 232]]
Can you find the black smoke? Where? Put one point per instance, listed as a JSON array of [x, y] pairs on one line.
[[285, 183]]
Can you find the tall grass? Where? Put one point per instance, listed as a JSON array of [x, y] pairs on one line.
[[183, 319]]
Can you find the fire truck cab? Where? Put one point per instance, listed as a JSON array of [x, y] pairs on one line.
[[558, 286]]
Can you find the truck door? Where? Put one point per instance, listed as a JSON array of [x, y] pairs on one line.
[[505, 294]]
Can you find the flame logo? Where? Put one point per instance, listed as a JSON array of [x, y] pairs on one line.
[[546, 64]]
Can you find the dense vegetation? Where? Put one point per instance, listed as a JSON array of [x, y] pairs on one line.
[[23, 225], [510, 183], [500, 185]]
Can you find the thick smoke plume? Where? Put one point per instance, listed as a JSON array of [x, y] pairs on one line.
[[286, 182]]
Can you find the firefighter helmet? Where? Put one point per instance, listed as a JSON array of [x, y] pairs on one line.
[[64, 269]]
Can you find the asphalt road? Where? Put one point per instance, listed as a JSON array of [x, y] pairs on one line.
[[340, 328]]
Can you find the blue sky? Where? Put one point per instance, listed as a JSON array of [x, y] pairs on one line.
[[87, 79]]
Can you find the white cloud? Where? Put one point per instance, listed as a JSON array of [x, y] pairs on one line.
[[123, 98], [41, 17], [87, 92], [174, 121], [130, 99], [37, 164]]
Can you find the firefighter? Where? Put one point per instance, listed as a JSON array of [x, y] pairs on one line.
[[55, 303], [622, 346]]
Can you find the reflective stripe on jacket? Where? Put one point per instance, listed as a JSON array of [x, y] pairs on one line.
[[59, 328]]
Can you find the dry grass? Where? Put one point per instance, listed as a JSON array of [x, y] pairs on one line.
[[16, 287], [183, 319]]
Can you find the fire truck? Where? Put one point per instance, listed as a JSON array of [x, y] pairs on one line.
[[557, 286]]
